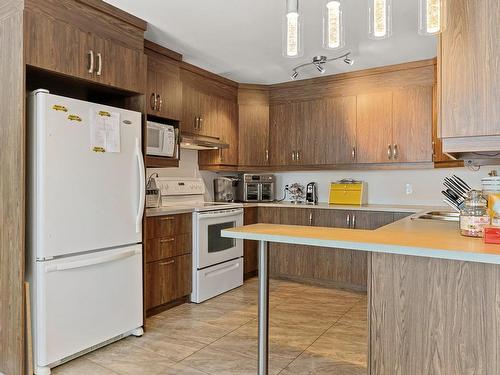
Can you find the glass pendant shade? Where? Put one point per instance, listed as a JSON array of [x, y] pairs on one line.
[[292, 30], [333, 26], [380, 19], [431, 17]]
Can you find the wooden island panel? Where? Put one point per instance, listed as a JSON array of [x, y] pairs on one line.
[[433, 316]]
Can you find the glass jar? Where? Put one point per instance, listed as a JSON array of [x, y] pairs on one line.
[[474, 217]]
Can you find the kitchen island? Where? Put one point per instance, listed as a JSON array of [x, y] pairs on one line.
[[433, 295]]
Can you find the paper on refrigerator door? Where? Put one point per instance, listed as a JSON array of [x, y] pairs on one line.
[[104, 131]]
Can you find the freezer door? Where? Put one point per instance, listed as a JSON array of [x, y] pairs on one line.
[[83, 200], [84, 300]]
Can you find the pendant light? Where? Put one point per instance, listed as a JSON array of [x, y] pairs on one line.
[[431, 17], [292, 30], [333, 26], [380, 19]]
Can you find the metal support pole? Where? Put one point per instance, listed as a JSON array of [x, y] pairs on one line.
[[263, 352]]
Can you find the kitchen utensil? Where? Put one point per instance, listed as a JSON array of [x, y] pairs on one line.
[[311, 193], [462, 182]]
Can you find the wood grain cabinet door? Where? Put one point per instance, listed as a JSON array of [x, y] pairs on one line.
[[191, 111], [412, 124], [338, 135], [57, 46], [282, 133], [374, 127], [253, 135], [169, 88], [250, 248], [470, 72], [310, 125]]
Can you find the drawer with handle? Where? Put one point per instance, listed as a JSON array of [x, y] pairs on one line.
[[167, 247], [168, 226]]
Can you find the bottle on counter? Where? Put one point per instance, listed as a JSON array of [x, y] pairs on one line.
[[474, 217]]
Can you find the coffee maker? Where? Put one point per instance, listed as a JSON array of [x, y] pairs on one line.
[[311, 193], [225, 189]]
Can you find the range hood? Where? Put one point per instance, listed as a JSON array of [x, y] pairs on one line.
[[201, 142], [474, 151]]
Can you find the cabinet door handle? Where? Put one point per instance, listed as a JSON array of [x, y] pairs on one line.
[[389, 152], [160, 102], [348, 220], [353, 221], [91, 61], [167, 218], [293, 155], [196, 119], [395, 153], [99, 64], [152, 101], [310, 218], [297, 155], [353, 153], [167, 240], [201, 123], [167, 263], [267, 155], [221, 155]]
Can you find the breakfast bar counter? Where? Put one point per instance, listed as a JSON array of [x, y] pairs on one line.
[[433, 295]]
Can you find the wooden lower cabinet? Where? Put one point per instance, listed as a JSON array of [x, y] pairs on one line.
[[168, 258], [250, 248], [339, 267], [167, 280]]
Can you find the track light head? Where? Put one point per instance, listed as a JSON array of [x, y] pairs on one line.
[[349, 61], [320, 68], [294, 75]]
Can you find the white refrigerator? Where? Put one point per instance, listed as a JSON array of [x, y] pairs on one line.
[[85, 205]]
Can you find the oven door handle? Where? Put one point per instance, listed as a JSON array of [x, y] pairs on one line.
[[206, 215]]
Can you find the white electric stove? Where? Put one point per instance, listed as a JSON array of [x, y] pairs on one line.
[[217, 261]]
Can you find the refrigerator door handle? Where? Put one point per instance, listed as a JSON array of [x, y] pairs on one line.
[[91, 262], [142, 190]]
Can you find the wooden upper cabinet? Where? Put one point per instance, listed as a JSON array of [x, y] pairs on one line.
[[283, 120], [374, 127], [164, 92], [338, 135], [412, 124], [81, 41], [468, 62], [253, 112], [190, 108], [310, 129]]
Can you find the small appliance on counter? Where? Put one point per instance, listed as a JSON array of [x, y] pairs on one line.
[[312, 193], [348, 191], [152, 192], [257, 188], [226, 189], [297, 192]]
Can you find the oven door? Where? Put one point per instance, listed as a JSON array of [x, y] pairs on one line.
[[210, 247], [252, 191]]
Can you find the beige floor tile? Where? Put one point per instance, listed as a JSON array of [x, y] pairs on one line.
[[127, 359], [313, 364], [180, 369], [174, 348], [81, 366], [221, 362]]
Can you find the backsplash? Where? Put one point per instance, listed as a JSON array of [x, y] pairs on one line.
[[388, 186], [384, 187]]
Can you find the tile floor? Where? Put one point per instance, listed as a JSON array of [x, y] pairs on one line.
[[313, 330]]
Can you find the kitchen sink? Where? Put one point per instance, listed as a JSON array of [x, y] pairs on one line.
[[439, 215]]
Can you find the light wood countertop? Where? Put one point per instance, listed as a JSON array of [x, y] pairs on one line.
[[424, 238]]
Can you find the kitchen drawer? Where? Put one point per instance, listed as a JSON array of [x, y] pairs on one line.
[[167, 247], [168, 225], [168, 280]]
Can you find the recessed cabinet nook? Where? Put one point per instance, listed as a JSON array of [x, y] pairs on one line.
[[425, 114]]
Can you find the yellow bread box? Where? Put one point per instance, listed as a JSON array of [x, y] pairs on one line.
[[348, 192]]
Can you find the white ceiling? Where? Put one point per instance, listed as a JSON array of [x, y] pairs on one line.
[[241, 39]]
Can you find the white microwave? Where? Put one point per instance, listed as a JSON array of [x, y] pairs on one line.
[[161, 139]]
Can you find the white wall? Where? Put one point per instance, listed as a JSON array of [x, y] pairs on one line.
[[388, 186], [188, 167], [384, 187]]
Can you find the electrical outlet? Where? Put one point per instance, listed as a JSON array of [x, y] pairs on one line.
[[409, 189]]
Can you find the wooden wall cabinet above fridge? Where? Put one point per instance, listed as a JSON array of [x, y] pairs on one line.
[[79, 41]]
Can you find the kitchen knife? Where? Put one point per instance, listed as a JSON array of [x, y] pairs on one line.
[[465, 184]]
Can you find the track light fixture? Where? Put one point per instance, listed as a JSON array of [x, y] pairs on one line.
[[319, 61]]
